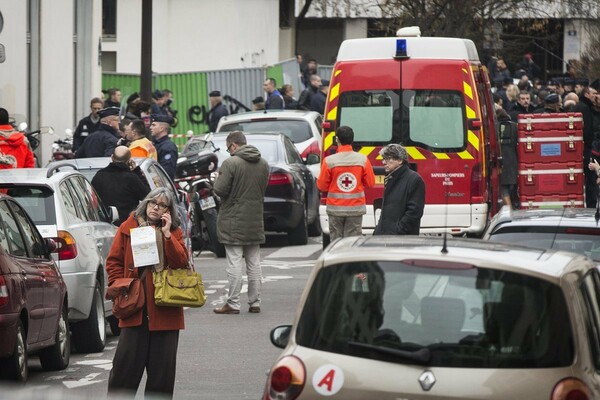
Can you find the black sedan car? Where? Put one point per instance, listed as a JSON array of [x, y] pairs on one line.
[[292, 198]]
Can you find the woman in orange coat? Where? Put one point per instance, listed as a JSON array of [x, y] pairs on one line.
[[149, 337]]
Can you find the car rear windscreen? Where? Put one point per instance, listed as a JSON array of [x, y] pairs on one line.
[[462, 318], [38, 201], [297, 131]]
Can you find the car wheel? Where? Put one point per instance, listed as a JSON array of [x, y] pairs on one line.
[[299, 235], [210, 218], [89, 336], [57, 357], [314, 229], [326, 241], [113, 322], [15, 366]]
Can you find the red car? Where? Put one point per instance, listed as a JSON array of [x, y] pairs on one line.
[[33, 297]]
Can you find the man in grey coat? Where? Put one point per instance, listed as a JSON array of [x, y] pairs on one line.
[[241, 184]]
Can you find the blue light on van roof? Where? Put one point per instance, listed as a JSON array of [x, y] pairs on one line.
[[401, 49]]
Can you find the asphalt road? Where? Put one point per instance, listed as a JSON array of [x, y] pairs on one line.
[[220, 356]]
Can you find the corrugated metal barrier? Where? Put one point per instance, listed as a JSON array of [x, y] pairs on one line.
[[190, 91]]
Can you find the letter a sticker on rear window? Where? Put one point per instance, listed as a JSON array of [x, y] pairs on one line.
[[328, 380]]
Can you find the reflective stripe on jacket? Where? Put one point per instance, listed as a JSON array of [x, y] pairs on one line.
[[345, 176]]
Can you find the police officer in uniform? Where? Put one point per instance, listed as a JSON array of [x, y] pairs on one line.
[[217, 110], [88, 125], [166, 149], [102, 143]]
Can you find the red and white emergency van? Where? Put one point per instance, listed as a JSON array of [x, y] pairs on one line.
[[433, 96]]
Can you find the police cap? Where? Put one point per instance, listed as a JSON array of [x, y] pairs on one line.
[[258, 99], [109, 111], [582, 81], [162, 118], [595, 84], [214, 93]]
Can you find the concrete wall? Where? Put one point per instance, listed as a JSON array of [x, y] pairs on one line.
[[192, 35], [13, 72]]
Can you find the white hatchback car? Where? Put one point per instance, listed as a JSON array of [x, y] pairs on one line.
[[393, 317], [64, 206], [302, 127]]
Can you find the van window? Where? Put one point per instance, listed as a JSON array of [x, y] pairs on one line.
[[431, 119]]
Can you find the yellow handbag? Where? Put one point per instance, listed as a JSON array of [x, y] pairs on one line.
[[178, 288]]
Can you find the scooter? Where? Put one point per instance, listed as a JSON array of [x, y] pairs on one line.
[[33, 138], [195, 175]]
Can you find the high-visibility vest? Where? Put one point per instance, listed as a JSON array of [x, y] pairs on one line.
[[143, 148], [345, 176]]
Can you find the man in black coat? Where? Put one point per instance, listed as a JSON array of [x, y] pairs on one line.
[[403, 195], [88, 125], [523, 105], [317, 102], [121, 183], [585, 106], [102, 143], [217, 110]]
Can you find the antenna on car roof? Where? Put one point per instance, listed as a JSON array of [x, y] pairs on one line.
[[558, 226], [445, 242]]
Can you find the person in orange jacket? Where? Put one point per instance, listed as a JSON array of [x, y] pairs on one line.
[[139, 144], [344, 176], [14, 147]]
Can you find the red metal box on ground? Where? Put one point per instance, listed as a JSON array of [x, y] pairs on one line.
[[539, 179], [550, 146], [550, 122], [551, 201]]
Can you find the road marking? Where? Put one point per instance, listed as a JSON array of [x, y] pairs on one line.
[[55, 377], [287, 265], [268, 278], [296, 251], [102, 364], [88, 380]]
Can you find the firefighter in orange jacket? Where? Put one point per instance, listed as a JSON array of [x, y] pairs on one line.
[[344, 176]]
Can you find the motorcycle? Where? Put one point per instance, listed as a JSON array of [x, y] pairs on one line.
[[195, 176], [63, 149]]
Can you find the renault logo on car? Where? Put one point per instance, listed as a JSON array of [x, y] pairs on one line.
[[427, 380]]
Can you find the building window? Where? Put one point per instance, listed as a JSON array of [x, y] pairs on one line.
[[109, 17], [286, 9]]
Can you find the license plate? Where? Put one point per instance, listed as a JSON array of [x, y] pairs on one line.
[[208, 202]]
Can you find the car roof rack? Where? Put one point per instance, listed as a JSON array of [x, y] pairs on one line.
[[57, 167]]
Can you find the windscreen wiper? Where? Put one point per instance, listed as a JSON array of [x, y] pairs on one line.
[[421, 356]]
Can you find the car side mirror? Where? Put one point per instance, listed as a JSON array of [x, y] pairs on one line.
[[313, 158], [113, 214], [44, 249], [280, 335]]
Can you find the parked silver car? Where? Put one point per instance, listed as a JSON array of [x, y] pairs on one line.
[[152, 170], [396, 317], [64, 206]]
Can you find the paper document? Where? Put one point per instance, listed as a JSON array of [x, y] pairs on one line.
[[143, 246]]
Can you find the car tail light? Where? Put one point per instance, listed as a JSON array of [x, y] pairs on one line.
[[286, 379], [571, 389], [476, 184], [3, 291], [204, 193], [66, 246], [280, 178], [313, 148]]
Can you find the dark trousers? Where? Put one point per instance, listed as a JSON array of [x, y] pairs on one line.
[[140, 349]]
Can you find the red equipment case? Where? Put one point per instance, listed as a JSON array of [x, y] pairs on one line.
[[550, 154], [550, 122], [550, 178], [552, 201]]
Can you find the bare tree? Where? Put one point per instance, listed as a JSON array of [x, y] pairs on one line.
[[589, 66]]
